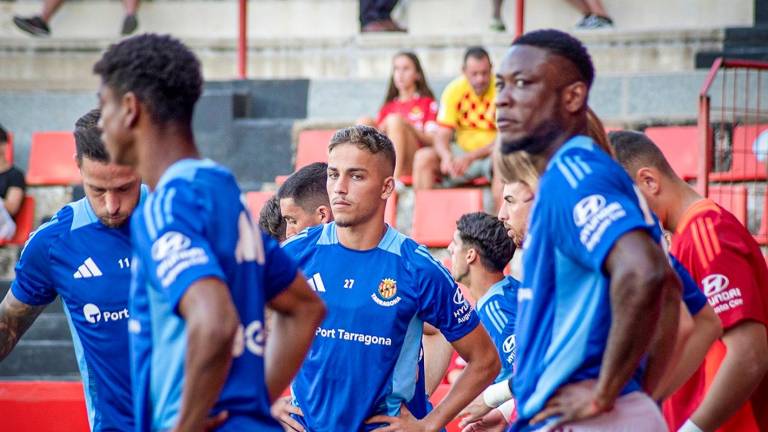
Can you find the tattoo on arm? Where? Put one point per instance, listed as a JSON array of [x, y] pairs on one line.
[[15, 318]]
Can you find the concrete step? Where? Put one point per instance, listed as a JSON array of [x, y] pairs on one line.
[[41, 359], [262, 150], [50, 326]]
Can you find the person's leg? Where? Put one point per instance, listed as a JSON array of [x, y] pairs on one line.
[[385, 7], [130, 22], [366, 121], [368, 13], [497, 9], [49, 9], [596, 7], [426, 168], [131, 6], [403, 137], [581, 5]]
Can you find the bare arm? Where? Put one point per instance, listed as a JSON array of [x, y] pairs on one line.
[[442, 142], [664, 344], [483, 365], [13, 198], [706, 330], [15, 319], [743, 368], [639, 273], [437, 356], [298, 312], [211, 324]]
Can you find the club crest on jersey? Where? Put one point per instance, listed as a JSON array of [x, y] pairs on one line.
[[385, 295]]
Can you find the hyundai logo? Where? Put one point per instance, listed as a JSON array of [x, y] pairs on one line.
[[587, 208], [509, 344], [458, 297], [714, 283], [169, 243]]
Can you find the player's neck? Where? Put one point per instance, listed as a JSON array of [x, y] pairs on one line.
[[364, 236], [680, 200], [162, 148], [481, 281], [405, 95]]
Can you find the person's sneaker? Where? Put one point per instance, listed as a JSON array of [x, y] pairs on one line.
[[32, 25], [497, 25], [130, 23], [590, 22]]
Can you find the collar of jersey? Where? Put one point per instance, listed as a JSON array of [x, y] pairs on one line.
[[390, 241], [577, 141], [496, 288], [184, 168]]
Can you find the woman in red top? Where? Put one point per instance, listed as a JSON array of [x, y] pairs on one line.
[[409, 112]]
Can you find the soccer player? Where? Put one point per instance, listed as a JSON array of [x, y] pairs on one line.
[[304, 200], [595, 277], [203, 272], [730, 391], [380, 287], [83, 255], [271, 220]]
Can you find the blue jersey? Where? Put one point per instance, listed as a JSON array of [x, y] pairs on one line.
[[497, 310], [364, 358], [87, 264], [194, 226], [585, 203]]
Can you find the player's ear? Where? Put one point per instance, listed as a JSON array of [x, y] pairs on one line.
[[647, 179], [324, 214], [472, 256], [575, 97], [131, 108], [388, 188]]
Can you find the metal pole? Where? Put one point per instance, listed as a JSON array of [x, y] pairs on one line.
[[242, 40], [519, 18]]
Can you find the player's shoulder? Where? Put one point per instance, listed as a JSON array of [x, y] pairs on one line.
[[60, 225], [420, 261], [580, 161], [707, 222], [196, 174], [309, 237]]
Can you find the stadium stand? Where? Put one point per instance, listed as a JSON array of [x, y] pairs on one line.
[[436, 211], [679, 145], [255, 200], [746, 163], [52, 160], [733, 199]]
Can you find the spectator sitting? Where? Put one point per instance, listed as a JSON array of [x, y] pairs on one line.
[[12, 187], [304, 199], [271, 220], [467, 111], [409, 112], [375, 16], [595, 16], [38, 25]]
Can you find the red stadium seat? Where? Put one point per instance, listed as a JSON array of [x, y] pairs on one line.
[[312, 147], [745, 164], [480, 181], [43, 406], [436, 211], [25, 220], [9, 149], [680, 146], [279, 180], [732, 198], [255, 200], [52, 159]]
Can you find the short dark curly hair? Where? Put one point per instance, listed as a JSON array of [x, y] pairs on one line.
[[160, 70], [564, 45], [368, 139], [487, 235], [271, 220], [88, 141], [3, 135]]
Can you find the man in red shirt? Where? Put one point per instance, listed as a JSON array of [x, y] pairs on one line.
[[729, 392]]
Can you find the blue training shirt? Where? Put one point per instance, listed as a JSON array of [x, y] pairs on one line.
[[586, 202], [193, 226], [364, 358], [497, 310], [87, 263]]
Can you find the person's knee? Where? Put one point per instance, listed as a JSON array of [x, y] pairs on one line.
[[366, 121], [425, 158], [394, 121]]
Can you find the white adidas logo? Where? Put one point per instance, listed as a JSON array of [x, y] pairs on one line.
[[88, 269], [316, 282]]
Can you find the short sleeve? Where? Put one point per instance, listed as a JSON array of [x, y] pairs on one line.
[[448, 115], [730, 285], [33, 284], [180, 254], [17, 179], [430, 119], [280, 270], [441, 302], [597, 212], [693, 298]]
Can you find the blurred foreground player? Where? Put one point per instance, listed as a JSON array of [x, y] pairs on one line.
[[730, 391], [380, 287], [203, 271], [595, 277], [83, 255]]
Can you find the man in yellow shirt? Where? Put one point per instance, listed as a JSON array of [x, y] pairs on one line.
[[467, 114]]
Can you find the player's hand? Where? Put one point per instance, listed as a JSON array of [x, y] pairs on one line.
[[282, 410], [446, 165], [461, 165], [406, 422], [474, 411], [494, 421], [571, 403]]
